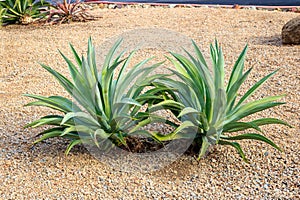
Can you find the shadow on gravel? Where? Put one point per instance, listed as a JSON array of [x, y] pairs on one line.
[[272, 41], [54, 147]]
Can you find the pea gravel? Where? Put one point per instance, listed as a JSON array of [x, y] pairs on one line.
[[44, 172]]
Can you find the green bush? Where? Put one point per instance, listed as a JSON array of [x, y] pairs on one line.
[[213, 109], [22, 11]]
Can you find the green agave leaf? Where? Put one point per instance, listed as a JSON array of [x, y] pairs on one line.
[[140, 125], [145, 133], [109, 89], [72, 68], [71, 145], [102, 134], [47, 120], [188, 66], [204, 147], [128, 101], [121, 74], [240, 126], [92, 59], [75, 136], [21, 7], [213, 54], [85, 116], [199, 75], [98, 100], [185, 94], [77, 58], [233, 91], [265, 121], [126, 80], [69, 87], [87, 73], [142, 119], [219, 107], [49, 134], [236, 146], [141, 82], [110, 54], [253, 136], [219, 71], [60, 128], [254, 88], [181, 70], [193, 97], [253, 110], [188, 81], [199, 54], [55, 102], [125, 106], [14, 12], [253, 107], [188, 110], [147, 97], [197, 79], [121, 138], [150, 81], [167, 104], [237, 69], [77, 128], [140, 115], [184, 125], [176, 134]]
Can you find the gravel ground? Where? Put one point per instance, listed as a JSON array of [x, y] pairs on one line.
[[44, 172]]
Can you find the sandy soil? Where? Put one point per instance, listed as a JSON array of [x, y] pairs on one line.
[[44, 172]]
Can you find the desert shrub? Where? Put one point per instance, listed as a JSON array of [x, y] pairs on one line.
[[108, 106], [66, 11], [213, 109], [22, 11]]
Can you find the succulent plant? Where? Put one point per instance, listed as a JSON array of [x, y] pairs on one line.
[[22, 11], [213, 109], [107, 104], [66, 11]]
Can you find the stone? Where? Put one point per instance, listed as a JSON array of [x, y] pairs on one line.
[[101, 6], [291, 32]]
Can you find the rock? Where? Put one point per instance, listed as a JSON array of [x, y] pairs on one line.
[[101, 6], [291, 31], [236, 6], [112, 6]]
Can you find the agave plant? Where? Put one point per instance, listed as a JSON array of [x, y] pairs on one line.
[[67, 11], [22, 11], [2, 13], [211, 108], [106, 106]]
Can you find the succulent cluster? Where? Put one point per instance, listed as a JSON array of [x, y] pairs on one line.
[[22, 11], [68, 11], [118, 103], [28, 11]]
